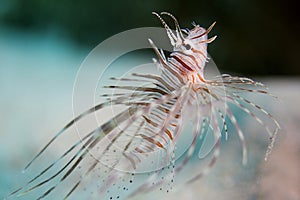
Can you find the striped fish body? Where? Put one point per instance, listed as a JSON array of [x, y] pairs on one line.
[[133, 152]]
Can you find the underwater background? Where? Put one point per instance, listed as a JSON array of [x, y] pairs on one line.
[[43, 43]]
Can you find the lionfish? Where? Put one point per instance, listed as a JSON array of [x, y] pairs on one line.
[[138, 144]]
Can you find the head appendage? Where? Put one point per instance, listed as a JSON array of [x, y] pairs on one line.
[[178, 29], [206, 32], [169, 31], [208, 40]]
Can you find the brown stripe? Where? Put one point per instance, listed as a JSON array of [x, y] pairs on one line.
[[130, 160], [150, 121], [163, 109], [151, 140], [139, 150], [156, 134], [191, 56], [199, 51], [182, 63], [200, 77], [169, 134]]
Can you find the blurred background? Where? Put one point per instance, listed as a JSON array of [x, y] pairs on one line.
[[254, 37], [43, 43]]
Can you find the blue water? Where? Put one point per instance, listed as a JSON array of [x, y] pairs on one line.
[[37, 71], [37, 75]]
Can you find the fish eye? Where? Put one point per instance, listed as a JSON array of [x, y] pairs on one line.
[[187, 47]]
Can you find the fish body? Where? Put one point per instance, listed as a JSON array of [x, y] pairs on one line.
[[133, 152]]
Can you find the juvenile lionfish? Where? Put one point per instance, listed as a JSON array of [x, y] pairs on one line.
[[134, 151]]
